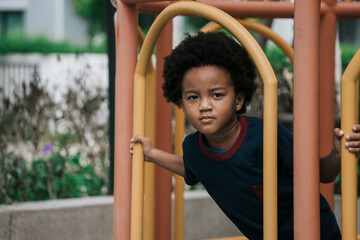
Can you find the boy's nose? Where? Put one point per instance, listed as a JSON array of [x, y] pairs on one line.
[[205, 104]]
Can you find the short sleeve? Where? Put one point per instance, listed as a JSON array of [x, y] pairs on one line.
[[189, 176], [285, 149]]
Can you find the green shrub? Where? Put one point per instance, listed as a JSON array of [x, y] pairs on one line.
[[278, 59], [347, 53], [49, 149], [19, 42], [52, 177]]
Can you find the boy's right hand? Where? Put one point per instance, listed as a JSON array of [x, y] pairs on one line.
[[146, 146]]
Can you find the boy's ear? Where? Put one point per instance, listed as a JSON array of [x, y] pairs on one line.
[[239, 101]]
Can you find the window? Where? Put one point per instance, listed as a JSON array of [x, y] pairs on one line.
[[10, 21]]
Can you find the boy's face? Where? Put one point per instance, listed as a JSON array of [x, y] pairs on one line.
[[209, 100]]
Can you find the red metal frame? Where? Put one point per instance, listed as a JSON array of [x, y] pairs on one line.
[[309, 58]]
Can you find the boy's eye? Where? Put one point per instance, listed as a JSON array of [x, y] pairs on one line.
[[192, 97], [218, 95]]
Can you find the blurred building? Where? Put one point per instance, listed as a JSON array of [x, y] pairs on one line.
[[54, 19], [349, 31]]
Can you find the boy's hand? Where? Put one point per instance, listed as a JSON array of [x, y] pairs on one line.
[[146, 146], [352, 140]]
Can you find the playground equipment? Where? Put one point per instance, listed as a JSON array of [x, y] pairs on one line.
[[349, 162], [307, 63]]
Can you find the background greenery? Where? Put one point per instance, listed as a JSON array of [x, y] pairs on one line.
[[49, 149], [19, 42]]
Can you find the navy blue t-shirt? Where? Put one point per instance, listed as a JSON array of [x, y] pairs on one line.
[[234, 179]]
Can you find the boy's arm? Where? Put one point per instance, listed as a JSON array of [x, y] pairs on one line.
[[330, 164], [161, 158]]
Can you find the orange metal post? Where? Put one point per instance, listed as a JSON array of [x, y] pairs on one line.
[[163, 141], [126, 49], [306, 120], [327, 92]]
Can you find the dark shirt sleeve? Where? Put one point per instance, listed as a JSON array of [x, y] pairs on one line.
[[189, 176], [285, 150]]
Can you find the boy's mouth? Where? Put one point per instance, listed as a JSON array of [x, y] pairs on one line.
[[206, 119]]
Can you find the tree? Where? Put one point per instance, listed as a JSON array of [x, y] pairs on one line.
[[94, 12]]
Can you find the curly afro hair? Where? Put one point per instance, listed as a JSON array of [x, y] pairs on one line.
[[206, 49]]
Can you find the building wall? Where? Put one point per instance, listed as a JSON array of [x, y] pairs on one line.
[[54, 19], [39, 18], [75, 28]]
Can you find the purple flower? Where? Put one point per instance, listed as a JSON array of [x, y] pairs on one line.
[[48, 148]]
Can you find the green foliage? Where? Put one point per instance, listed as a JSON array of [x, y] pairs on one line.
[[21, 43], [52, 177], [278, 59], [347, 53], [195, 23], [283, 69], [49, 149], [94, 12], [145, 21]]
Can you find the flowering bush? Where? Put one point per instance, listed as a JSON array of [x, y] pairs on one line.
[[51, 149]]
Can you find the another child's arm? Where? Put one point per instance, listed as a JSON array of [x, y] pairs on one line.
[[330, 164], [161, 158]]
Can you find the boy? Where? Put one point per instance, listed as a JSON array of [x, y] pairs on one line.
[[211, 78]]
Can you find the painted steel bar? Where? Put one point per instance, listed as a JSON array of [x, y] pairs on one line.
[[261, 29], [179, 181], [149, 175], [259, 9], [344, 10], [347, 10], [235, 9], [270, 93], [357, 101], [327, 92], [126, 53], [306, 120], [349, 162], [163, 184], [154, 7], [254, 9]]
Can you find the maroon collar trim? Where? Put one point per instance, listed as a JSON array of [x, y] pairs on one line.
[[232, 150]]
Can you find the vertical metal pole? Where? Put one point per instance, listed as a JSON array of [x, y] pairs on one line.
[[179, 181], [327, 92], [149, 184], [306, 120], [163, 141], [349, 161], [126, 54]]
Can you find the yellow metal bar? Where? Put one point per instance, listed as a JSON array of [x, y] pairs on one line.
[[149, 175], [349, 162], [357, 102], [179, 181], [137, 189], [270, 105]]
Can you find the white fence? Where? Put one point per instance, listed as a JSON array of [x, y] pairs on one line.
[[56, 71], [12, 75]]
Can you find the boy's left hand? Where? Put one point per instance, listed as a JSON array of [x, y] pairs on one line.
[[352, 140]]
